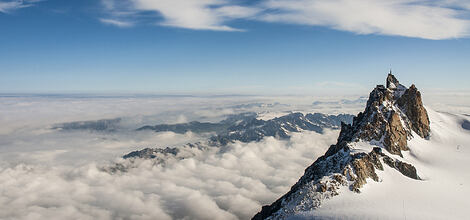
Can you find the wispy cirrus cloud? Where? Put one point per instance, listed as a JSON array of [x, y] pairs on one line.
[[9, 6], [195, 14], [428, 19], [410, 18], [115, 22]]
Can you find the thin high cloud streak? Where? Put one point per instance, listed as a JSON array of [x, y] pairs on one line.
[[9, 6], [428, 19], [116, 22]]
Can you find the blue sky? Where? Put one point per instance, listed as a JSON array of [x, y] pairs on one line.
[[243, 47]]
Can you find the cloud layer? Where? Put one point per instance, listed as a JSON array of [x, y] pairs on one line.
[[428, 19], [232, 185], [48, 174]]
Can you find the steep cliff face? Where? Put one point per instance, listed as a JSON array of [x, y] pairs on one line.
[[411, 104], [393, 115]]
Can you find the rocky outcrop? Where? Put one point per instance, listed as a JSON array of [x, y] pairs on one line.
[[391, 115], [404, 168], [395, 139], [412, 105], [150, 153], [392, 82], [466, 125]]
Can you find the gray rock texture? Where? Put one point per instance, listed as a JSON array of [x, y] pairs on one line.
[[391, 116]]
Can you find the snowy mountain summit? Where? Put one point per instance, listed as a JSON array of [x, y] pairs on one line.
[[392, 116], [376, 140]]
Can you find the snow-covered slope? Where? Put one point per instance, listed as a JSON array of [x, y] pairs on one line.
[[442, 163], [387, 165]]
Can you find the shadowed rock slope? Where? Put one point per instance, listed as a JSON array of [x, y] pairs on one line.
[[393, 115]]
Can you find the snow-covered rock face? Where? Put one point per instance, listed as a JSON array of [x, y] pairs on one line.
[[393, 116]]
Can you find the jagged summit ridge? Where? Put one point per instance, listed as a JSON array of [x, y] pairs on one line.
[[392, 116], [392, 82]]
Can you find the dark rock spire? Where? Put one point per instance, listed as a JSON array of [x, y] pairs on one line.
[[392, 82], [389, 117], [412, 105], [388, 121]]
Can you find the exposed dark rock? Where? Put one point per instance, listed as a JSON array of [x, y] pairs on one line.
[[392, 82], [395, 135], [149, 153], [404, 168], [364, 167], [115, 168], [160, 156], [466, 125], [390, 114], [255, 129], [412, 106], [334, 164], [340, 167]]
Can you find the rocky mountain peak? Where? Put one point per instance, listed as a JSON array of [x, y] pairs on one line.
[[392, 82], [393, 115], [412, 105]]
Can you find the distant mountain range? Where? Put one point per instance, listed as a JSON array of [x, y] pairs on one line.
[[243, 127], [360, 100], [98, 125], [202, 127], [255, 129], [246, 127]]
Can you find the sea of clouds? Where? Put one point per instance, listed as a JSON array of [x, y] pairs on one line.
[[46, 173]]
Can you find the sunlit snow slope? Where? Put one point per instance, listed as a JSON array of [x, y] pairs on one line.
[[395, 161], [442, 162]]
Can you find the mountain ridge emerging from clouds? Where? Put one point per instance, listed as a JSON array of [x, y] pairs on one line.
[[244, 127], [394, 114]]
